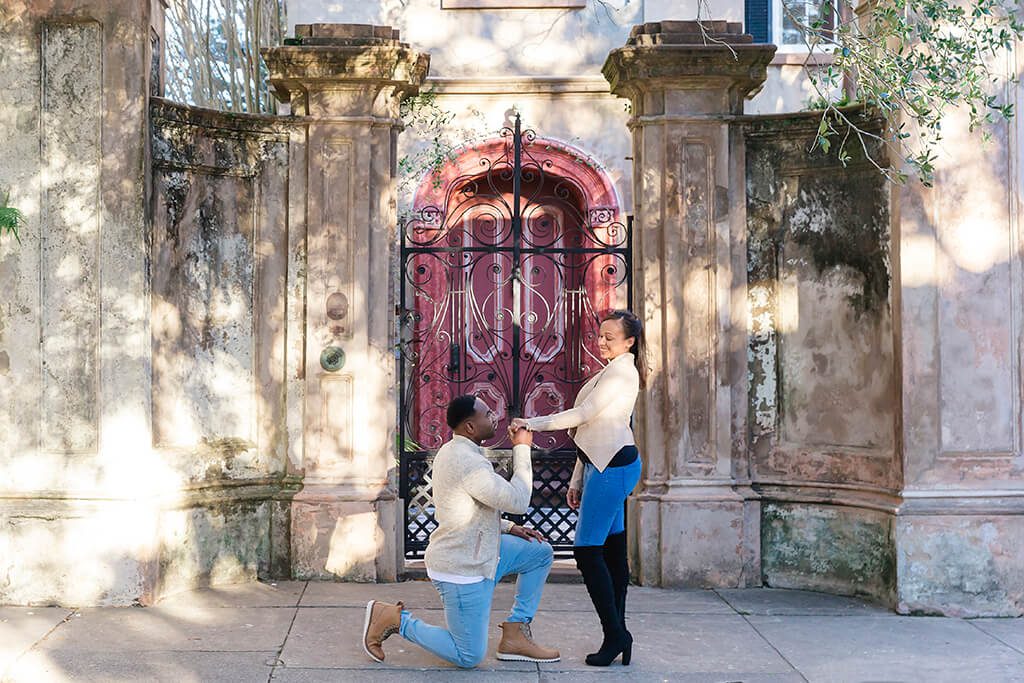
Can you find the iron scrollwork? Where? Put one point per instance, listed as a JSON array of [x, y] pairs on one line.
[[502, 283]]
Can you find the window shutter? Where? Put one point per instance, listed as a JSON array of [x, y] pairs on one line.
[[755, 15]]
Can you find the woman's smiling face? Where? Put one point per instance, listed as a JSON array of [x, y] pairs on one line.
[[612, 341]]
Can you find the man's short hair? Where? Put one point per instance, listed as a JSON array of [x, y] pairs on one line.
[[460, 409]]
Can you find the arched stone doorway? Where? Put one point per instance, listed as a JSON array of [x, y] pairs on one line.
[[508, 260]]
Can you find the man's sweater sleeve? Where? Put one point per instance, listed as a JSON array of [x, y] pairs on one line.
[[488, 487]]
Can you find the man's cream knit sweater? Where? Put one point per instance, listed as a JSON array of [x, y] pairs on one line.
[[469, 498]]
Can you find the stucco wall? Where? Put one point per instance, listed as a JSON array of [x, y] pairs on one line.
[[962, 523], [823, 374], [74, 330], [492, 42], [220, 258], [788, 87], [139, 453]]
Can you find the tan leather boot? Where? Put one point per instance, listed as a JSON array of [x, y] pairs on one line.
[[382, 620], [517, 645]]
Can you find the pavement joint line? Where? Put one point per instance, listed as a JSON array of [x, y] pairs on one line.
[[10, 667], [280, 650], [777, 651], [770, 644], [726, 601], [995, 637]]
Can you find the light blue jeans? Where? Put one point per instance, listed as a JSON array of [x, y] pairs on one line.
[[467, 607]]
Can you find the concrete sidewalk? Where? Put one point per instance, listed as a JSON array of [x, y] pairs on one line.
[[297, 632]]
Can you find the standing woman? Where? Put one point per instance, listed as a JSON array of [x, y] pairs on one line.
[[607, 470]]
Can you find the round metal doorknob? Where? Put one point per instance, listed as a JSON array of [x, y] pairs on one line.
[[332, 359]]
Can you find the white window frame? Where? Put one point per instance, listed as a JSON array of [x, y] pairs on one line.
[[775, 15]]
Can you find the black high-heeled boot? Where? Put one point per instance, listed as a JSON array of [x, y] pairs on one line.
[[618, 566], [598, 580]]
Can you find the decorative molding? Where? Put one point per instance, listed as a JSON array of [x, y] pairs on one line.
[[336, 420], [634, 69], [963, 493], [814, 493], [337, 201], [1009, 445], [331, 493], [72, 101], [699, 337], [983, 503], [74, 504]]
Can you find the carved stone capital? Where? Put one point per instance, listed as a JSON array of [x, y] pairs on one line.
[[682, 67], [342, 70]]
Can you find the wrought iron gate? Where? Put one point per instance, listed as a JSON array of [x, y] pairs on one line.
[[502, 282]]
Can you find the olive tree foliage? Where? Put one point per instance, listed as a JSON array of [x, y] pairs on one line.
[[428, 121], [914, 61], [213, 57]]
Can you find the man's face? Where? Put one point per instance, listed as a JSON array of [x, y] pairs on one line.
[[483, 422]]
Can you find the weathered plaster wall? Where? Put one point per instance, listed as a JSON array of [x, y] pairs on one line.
[[823, 384], [961, 564], [220, 260], [829, 548], [961, 526], [142, 399], [74, 330]]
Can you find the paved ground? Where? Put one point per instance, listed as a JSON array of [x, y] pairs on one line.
[[305, 632]]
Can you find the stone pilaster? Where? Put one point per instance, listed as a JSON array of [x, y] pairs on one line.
[[694, 519], [346, 83]]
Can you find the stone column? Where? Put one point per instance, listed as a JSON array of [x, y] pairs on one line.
[[346, 81], [694, 521]]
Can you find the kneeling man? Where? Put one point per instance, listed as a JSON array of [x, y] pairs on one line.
[[472, 549]]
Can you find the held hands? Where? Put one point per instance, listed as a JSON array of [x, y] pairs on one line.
[[517, 423], [520, 436]]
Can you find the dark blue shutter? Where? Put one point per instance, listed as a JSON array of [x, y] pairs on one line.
[[755, 16]]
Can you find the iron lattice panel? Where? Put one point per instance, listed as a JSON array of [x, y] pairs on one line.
[[418, 501], [548, 512]]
